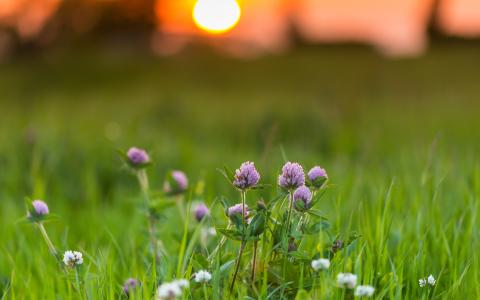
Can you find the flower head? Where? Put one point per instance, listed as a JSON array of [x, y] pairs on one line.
[[137, 156], [200, 211], [422, 282], [129, 285], [292, 176], [431, 280], [364, 291], [347, 280], [237, 209], [168, 291], [171, 290], [320, 264], [317, 176], [302, 197], [203, 276], [176, 183], [246, 176], [72, 258], [40, 208]]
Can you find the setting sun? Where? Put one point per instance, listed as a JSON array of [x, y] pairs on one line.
[[216, 16]]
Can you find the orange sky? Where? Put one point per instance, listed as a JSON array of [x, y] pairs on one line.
[[396, 27]]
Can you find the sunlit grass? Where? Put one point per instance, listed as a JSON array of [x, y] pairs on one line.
[[404, 172]]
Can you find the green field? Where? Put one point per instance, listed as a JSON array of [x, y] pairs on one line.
[[399, 138]]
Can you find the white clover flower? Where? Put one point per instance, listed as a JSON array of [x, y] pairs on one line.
[[172, 290], [422, 282], [203, 276], [364, 291], [348, 280], [431, 280], [168, 291], [320, 264], [72, 258]]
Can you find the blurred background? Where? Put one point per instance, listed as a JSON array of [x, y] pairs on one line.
[[201, 83], [247, 27]]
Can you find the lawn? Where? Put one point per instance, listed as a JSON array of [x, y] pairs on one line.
[[399, 140]]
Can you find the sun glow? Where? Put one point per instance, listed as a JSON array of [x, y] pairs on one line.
[[216, 16]]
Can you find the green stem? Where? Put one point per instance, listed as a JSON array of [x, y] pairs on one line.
[[254, 261], [205, 293], [77, 281], [243, 196], [286, 236], [144, 186], [290, 198], [51, 248], [237, 265]]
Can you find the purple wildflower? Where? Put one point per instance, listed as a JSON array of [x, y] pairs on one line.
[[317, 172], [180, 179], [304, 195], [317, 176], [201, 210], [246, 176], [40, 208], [137, 156], [129, 285], [237, 209], [176, 183], [292, 176]]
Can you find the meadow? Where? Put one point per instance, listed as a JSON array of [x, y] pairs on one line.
[[399, 140]]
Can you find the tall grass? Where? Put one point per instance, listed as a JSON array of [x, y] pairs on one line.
[[401, 155]]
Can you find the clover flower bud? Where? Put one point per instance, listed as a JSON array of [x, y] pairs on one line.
[[337, 246], [237, 209], [292, 246], [246, 176], [40, 208], [292, 176], [317, 176], [320, 264], [137, 156], [200, 211], [129, 285], [302, 198], [176, 183]]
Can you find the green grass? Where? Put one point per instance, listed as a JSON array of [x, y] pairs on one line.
[[399, 138]]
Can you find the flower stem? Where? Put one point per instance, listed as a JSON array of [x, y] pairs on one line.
[[77, 281], [51, 248], [286, 236], [254, 261], [144, 186], [237, 265], [290, 208], [243, 196], [205, 293]]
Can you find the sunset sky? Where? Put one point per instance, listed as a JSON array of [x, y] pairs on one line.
[[395, 27]]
